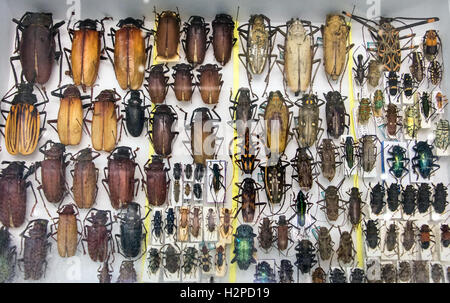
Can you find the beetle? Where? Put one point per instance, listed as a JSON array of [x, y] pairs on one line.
[[304, 168], [424, 162], [368, 152], [437, 273], [328, 153], [412, 120], [98, 235], [335, 113], [211, 220], [105, 116], [423, 198], [331, 200], [335, 45], [154, 261], [249, 150], [258, 39], [275, 185], [162, 119], [8, 256], [427, 107], [308, 122], [243, 110], [387, 38], [440, 198], [361, 70], [209, 82], [374, 73], [171, 258], [203, 135], [391, 238], [36, 46], [199, 172], [388, 273], [119, 176], [441, 101], [349, 152], [392, 118], [244, 248], [417, 67], [220, 259], [196, 43], [104, 273], [167, 36], [324, 243], [248, 190], [134, 109], [13, 192], [286, 271], [66, 230], [392, 83], [216, 179], [176, 185], [265, 234], [364, 111], [127, 273], [434, 73], [132, 231], [425, 236], [157, 225], [85, 177], [283, 230], [378, 103], [86, 51], [346, 249], [398, 161], [355, 205], [357, 275], [53, 171], [301, 208], [431, 44], [222, 38], [404, 271], [225, 228], [337, 275], [132, 48], [408, 85], [421, 272], [23, 120], [264, 273], [409, 197], [157, 83], [445, 235], [372, 234], [187, 189], [182, 85], [298, 55], [319, 275], [409, 235], [189, 261], [377, 198], [35, 247], [195, 224], [170, 225], [442, 134], [205, 259], [70, 122], [157, 183]]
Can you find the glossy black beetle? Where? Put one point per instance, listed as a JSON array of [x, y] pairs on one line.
[[135, 112]]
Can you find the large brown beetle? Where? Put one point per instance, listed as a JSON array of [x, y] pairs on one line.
[[331, 200], [277, 119], [66, 230], [182, 84], [156, 85], [70, 121], [35, 246], [85, 177], [275, 185], [209, 83], [304, 168], [105, 115], [131, 51], [259, 36], [328, 153], [53, 171], [36, 46], [13, 192], [248, 190], [355, 205], [119, 176], [161, 135], [203, 134], [335, 114], [167, 36], [86, 51], [223, 37], [98, 234], [308, 122], [196, 42], [23, 128], [157, 183]]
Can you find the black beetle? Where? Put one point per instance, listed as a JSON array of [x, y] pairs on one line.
[[135, 112], [170, 226], [132, 231], [157, 225], [393, 194], [306, 258], [357, 275], [372, 233], [440, 198], [423, 198], [8, 256], [377, 198], [409, 197], [335, 114]]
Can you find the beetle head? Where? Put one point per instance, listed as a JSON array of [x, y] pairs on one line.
[[223, 19], [122, 152], [130, 22], [43, 19], [88, 24]]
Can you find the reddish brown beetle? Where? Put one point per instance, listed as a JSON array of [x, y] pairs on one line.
[[248, 190], [157, 83], [392, 118], [161, 135], [66, 230], [13, 192], [53, 171], [85, 177], [167, 36], [223, 37], [182, 84], [157, 181], [210, 83], [283, 231], [195, 44], [98, 235], [119, 176]]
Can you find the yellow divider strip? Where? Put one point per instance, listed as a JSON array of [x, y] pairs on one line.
[[235, 189], [147, 222], [359, 240]]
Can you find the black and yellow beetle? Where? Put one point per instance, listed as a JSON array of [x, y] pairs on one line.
[[23, 123]]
